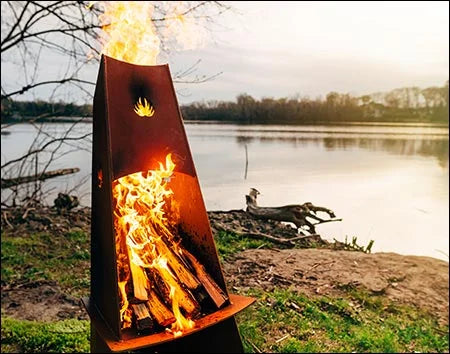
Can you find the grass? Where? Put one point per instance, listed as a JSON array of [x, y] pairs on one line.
[[64, 259], [357, 322], [228, 244], [281, 321], [69, 336]]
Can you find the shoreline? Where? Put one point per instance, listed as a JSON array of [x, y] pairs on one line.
[[386, 123], [47, 219]]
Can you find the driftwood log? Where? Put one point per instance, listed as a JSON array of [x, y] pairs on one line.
[[284, 236], [12, 182], [295, 213]]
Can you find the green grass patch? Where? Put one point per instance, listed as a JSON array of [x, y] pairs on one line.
[[69, 336], [357, 323], [228, 244], [64, 259]]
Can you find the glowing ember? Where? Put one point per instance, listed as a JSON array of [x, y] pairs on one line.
[[144, 110], [143, 236]]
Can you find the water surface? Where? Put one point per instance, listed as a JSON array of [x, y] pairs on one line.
[[388, 182]]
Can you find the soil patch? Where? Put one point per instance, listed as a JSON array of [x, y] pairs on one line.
[[40, 301], [36, 219], [412, 280]]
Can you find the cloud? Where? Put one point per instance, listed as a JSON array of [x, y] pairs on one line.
[[275, 49]]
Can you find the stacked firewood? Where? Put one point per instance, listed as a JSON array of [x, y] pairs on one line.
[[149, 288]]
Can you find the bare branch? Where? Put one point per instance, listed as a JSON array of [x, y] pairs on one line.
[[43, 148], [13, 28], [28, 87]]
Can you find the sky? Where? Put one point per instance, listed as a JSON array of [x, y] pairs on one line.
[[287, 49]]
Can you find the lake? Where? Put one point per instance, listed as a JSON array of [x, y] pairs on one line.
[[389, 182]]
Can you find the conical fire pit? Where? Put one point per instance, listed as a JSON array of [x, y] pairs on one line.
[[156, 280]]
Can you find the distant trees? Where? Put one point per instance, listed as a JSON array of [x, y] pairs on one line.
[[21, 110], [409, 104]]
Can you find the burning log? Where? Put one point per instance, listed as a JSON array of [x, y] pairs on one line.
[[181, 271], [200, 295], [163, 285], [159, 311], [139, 282], [211, 287], [187, 302], [158, 285], [143, 320]]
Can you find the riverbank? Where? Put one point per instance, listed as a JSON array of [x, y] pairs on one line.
[[310, 298]]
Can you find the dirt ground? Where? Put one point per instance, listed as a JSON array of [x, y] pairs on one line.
[[40, 301], [413, 280]]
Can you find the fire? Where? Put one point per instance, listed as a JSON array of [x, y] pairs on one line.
[[158, 283], [182, 322], [130, 34], [144, 110], [144, 242]]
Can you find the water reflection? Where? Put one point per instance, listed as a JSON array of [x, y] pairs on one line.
[[389, 183], [436, 148]]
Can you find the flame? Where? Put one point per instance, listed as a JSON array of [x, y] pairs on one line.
[[181, 322], [144, 110], [125, 312], [141, 223], [129, 32]]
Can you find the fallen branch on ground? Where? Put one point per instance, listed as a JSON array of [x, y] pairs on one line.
[[290, 242]]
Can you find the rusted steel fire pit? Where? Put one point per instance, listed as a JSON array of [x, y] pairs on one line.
[[156, 280]]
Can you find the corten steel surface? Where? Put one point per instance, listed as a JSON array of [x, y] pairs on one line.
[[125, 143], [237, 303]]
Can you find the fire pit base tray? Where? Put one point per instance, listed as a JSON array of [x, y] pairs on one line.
[[209, 329]]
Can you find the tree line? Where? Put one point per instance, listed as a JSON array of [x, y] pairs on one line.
[[409, 104], [13, 111]]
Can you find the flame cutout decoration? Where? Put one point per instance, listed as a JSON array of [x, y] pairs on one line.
[[144, 110]]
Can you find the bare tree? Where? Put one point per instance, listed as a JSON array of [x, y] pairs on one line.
[[33, 32]]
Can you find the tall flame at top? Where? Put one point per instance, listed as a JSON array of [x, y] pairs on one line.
[[130, 34]]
